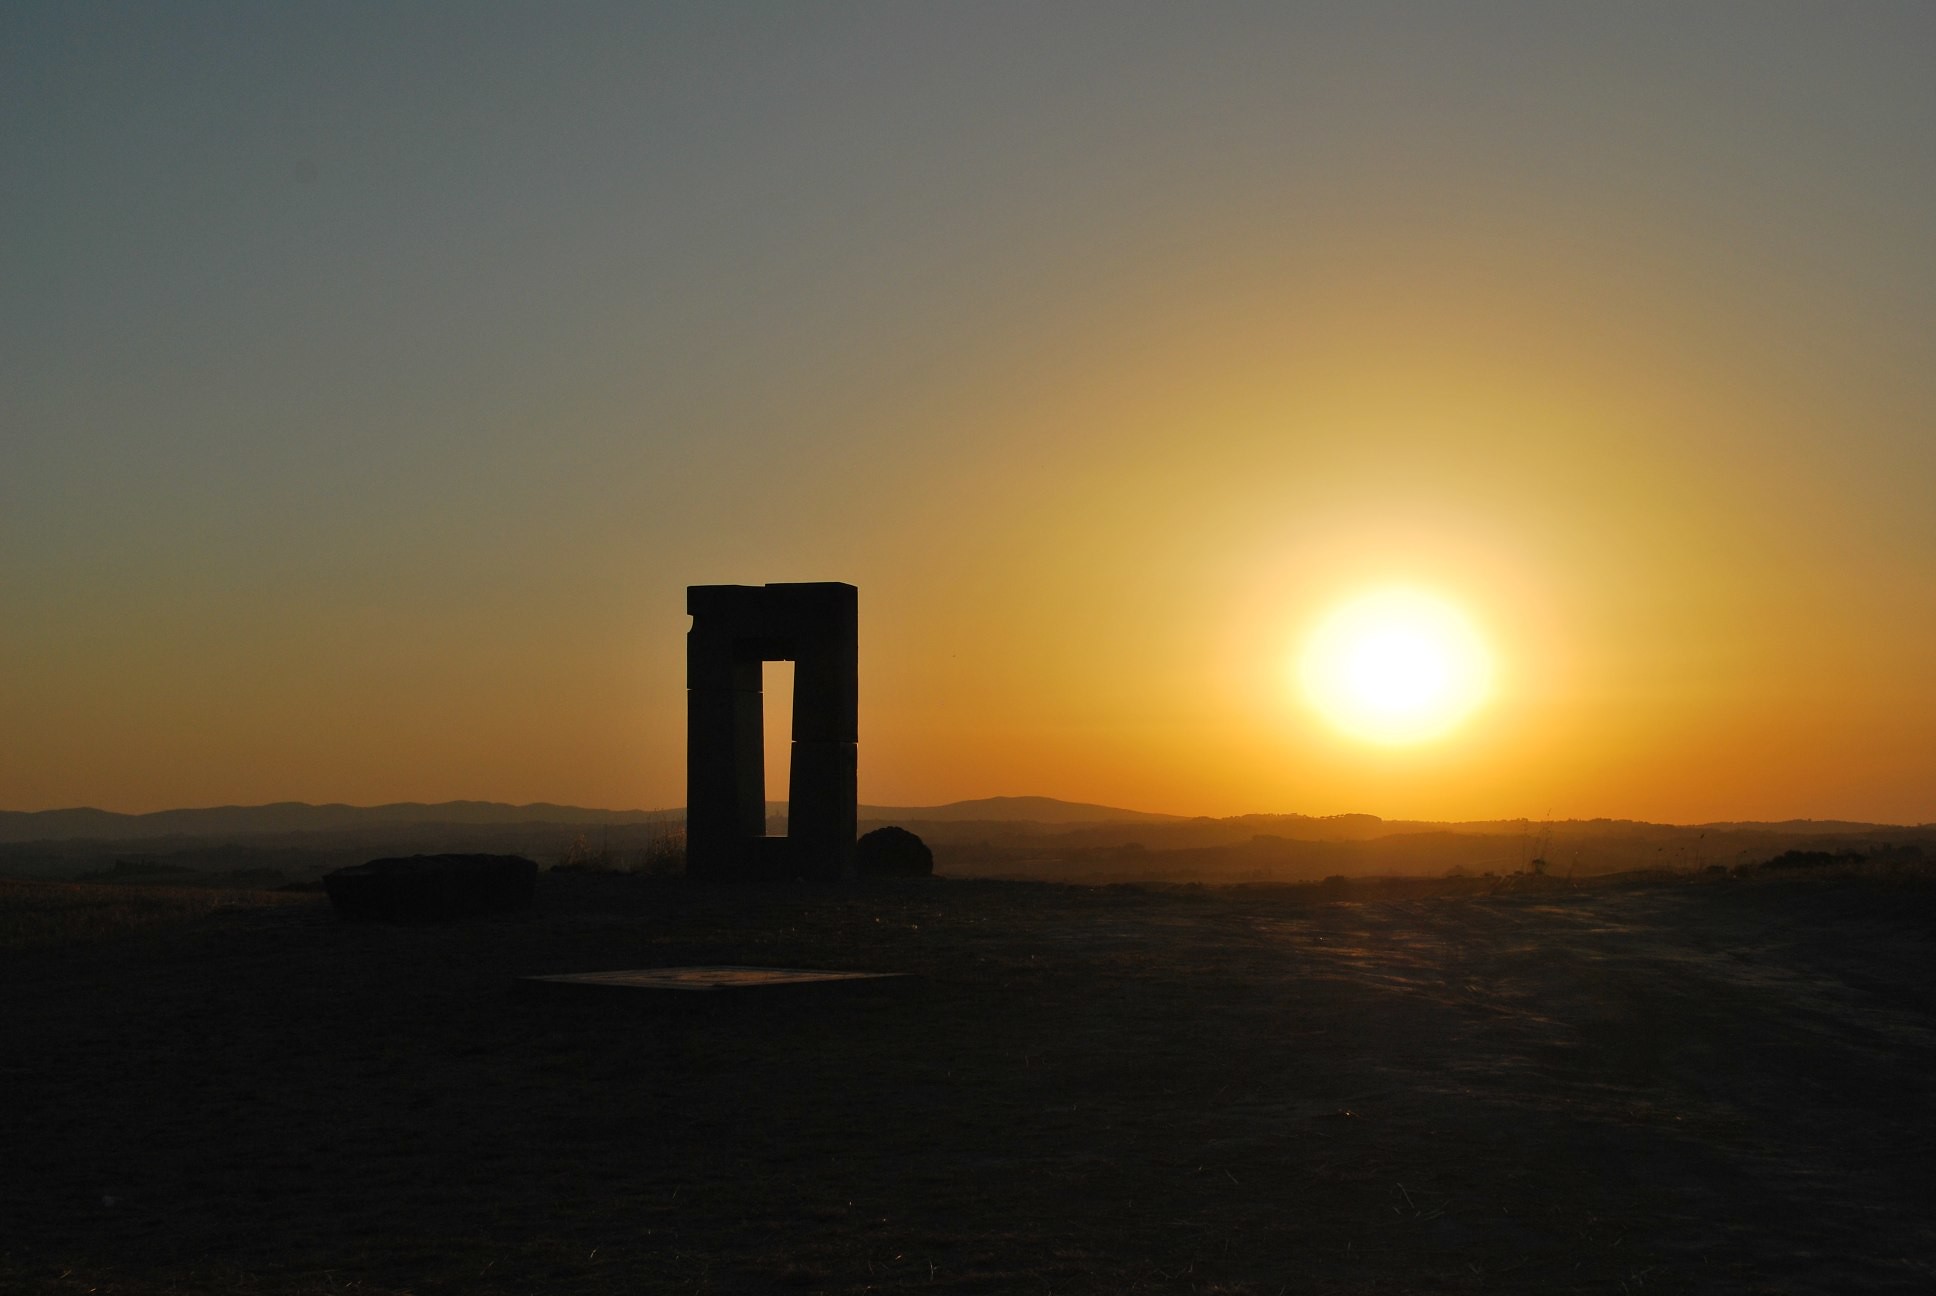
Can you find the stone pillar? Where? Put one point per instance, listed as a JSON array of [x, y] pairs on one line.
[[826, 732], [725, 771], [737, 628]]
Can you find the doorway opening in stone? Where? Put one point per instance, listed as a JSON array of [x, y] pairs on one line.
[[776, 698]]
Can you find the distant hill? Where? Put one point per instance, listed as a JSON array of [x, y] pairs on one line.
[[285, 817], [1031, 837], [1014, 809], [1015, 812], [295, 817]]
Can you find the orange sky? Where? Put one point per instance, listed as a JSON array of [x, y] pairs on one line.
[[371, 399]]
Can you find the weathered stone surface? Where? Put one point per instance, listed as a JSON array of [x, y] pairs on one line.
[[429, 887], [893, 852]]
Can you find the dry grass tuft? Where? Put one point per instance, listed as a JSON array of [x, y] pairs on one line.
[[662, 856]]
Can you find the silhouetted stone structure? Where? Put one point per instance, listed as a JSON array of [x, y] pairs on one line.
[[893, 852], [424, 887], [735, 629]]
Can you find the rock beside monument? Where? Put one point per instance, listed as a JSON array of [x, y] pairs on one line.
[[427, 887], [893, 852]]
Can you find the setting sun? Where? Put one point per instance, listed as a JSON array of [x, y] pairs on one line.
[[1395, 666]]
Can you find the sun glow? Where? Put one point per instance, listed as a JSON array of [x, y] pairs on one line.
[[1396, 666]]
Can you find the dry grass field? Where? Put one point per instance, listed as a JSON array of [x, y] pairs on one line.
[[1718, 1085]]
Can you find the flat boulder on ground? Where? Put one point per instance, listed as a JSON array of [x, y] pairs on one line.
[[893, 852], [429, 887]]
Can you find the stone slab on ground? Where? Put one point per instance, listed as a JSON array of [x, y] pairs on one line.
[[707, 979]]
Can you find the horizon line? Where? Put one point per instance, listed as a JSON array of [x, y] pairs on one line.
[[680, 810]]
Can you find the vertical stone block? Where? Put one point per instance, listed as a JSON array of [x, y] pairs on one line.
[[725, 775], [823, 819]]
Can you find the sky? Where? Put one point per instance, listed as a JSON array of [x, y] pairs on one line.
[[374, 379]]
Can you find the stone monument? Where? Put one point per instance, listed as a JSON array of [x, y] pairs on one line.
[[735, 630]]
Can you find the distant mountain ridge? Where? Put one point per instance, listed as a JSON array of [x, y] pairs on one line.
[[294, 817], [1040, 838], [84, 823], [1016, 809]]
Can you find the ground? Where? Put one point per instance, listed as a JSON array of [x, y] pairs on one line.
[[1712, 1085]]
